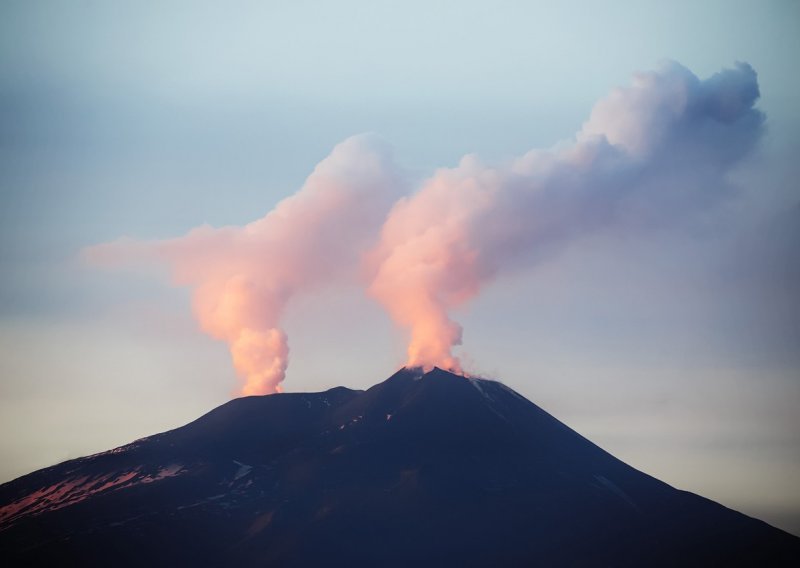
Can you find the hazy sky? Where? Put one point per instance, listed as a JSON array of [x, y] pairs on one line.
[[678, 349]]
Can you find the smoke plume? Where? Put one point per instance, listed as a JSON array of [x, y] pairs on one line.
[[243, 277], [649, 155]]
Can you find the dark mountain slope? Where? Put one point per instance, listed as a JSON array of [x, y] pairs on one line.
[[423, 469]]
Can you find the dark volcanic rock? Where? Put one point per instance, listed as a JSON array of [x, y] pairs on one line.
[[423, 469]]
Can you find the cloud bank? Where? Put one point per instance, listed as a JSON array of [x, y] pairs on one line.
[[650, 154]]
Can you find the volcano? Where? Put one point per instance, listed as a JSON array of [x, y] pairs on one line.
[[423, 469]]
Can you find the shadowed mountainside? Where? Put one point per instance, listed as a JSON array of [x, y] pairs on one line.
[[425, 469]]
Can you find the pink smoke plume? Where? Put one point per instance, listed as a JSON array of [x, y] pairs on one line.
[[649, 154], [243, 277]]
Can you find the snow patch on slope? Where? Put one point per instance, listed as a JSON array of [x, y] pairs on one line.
[[243, 470], [76, 489], [606, 483]]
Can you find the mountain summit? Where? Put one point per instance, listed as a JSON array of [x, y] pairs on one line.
[[423, 469]]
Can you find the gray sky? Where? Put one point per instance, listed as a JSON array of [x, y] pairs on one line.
[[675, 350]]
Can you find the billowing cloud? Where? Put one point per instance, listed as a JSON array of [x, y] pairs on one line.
[[243, 277], [650, 154]]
